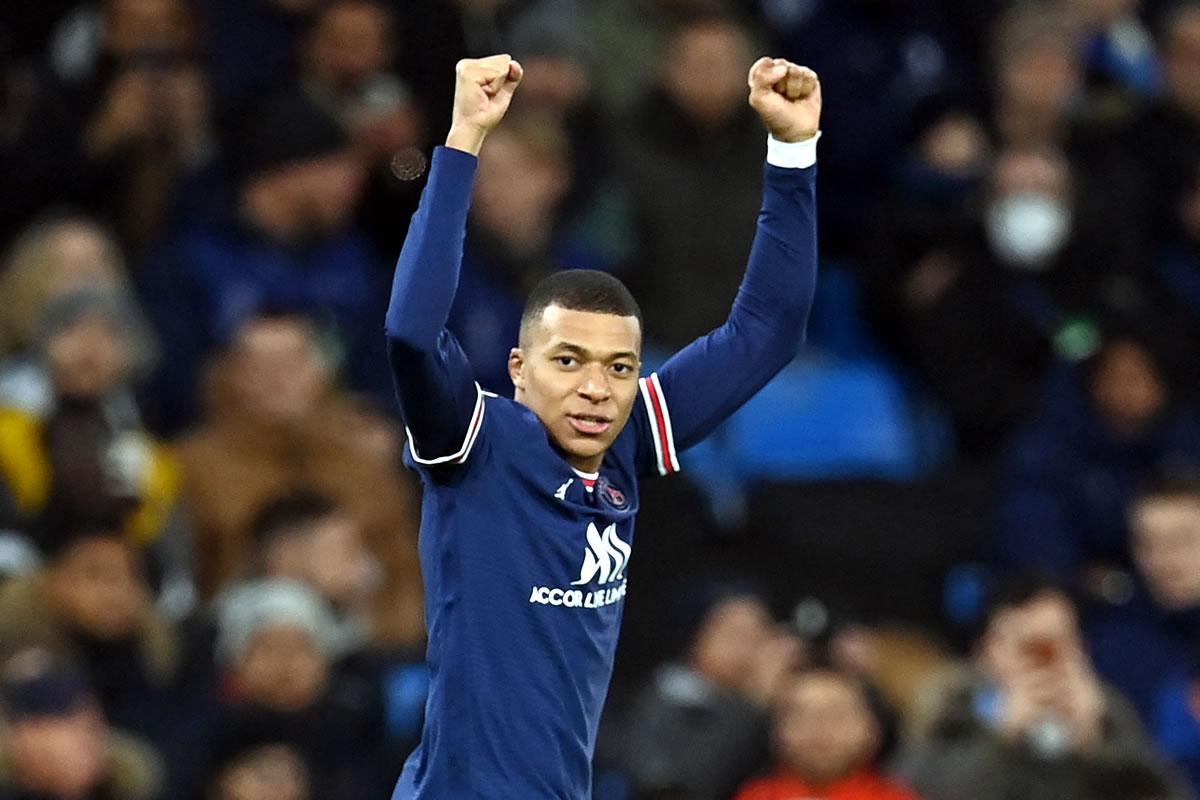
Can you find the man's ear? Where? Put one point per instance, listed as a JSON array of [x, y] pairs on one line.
[[516, 366]]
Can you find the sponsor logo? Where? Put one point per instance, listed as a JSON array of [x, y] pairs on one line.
[[604, 561]]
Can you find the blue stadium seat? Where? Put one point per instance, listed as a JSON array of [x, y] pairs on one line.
[[827, 418]]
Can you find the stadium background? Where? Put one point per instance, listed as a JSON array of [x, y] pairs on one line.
[[200, 207]]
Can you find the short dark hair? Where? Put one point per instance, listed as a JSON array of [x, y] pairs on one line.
[[579, 290], [1021, 589], [1172, 482], [287, 513]]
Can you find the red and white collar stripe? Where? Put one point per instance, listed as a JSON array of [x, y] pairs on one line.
[[666, 459]]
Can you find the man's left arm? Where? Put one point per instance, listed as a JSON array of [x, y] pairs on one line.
[[704, 383]]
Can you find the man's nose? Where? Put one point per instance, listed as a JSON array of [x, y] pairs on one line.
[[595, 385]]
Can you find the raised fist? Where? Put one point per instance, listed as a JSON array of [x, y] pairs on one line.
[[483, 91], [787, 97]]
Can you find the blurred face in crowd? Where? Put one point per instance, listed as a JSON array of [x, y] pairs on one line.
[[704, 72], [138, 25], [350, 42], [328, 554], [97, 587], [1127, 388], [1045, 74], [1041, 633], [1181, 59], [278, 371], [89, 358], [1166, 547], [1029, 213], [522, 178], [81, 257], [824, 727], [282, 668], [272, 772], [731, 637], [578, 371], [61, 755]]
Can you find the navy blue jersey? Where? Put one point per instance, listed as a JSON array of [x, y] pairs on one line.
[[525, 559]]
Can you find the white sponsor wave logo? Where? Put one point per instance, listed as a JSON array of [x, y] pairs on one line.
[[604, 561]]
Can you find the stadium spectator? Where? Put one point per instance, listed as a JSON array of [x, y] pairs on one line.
[[1069, 476], [276, 424], [1120, 52], [1157, 614], [277, 644], [346, 65], [89, 604], [701, 727], [1164, 140], [691, 161], [84, 458], [1029, 718], [830, 733], [56, 743], [49, 259], [290, 242], [123, 133], [304, 537]]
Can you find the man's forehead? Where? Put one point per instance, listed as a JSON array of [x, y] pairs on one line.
[[592, 330]]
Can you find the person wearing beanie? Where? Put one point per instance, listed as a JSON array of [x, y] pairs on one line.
[[277, 647], [295, 183], [85, 459], [56, 743]]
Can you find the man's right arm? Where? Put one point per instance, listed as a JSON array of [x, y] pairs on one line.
[[438, 396], [440, 402]]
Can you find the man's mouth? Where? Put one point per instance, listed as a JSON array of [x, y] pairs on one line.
[[589, 424]]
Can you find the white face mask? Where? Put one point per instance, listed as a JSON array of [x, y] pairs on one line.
[[1027, 229]]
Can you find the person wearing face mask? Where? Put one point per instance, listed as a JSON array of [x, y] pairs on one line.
[[976, 307]]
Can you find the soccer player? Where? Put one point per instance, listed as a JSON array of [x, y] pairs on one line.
[[529, 503]]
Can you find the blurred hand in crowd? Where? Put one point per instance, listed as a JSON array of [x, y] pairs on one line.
[[1034, 653]]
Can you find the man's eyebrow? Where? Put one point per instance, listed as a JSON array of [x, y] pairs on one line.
[[585, 353]]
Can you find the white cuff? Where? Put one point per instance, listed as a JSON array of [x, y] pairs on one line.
[[792, 155]]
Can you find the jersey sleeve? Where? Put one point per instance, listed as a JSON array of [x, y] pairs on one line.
[[440, 403], [704, 383]]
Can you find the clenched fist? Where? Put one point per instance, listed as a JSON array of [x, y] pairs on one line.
[[787, 97], [483, 91]]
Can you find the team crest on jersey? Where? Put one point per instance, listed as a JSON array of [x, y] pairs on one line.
[[612, 495]]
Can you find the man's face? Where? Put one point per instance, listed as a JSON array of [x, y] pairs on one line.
[[1166, 546], [328, 554], [271, 772], [1043, 632], [730, 639], [704, 72], [578, 371], [96, 587], [823, 727]]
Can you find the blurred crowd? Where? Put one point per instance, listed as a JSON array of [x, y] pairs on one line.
[[953, 551]]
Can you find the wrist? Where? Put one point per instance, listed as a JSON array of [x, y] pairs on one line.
[[467, 138]]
